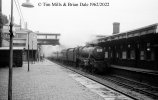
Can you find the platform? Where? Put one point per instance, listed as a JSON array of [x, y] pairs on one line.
[[44, 81]]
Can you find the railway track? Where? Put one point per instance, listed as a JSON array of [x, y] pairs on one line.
[[130, 88], [142, 88]]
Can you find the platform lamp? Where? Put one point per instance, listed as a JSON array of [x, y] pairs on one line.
[[27, 4]]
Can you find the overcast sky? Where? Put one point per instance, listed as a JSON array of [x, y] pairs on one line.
[[78, 24]]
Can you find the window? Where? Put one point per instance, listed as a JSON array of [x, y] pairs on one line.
[[106, 54], [117, 55], [111, 55], [124, 55], [132, 54], [21, 35], [99, 50], [142, 55], [150, 54]]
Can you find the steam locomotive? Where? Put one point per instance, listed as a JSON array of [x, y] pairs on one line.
[[90, 58]]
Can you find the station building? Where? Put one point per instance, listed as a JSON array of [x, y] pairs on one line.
[[24, 39]]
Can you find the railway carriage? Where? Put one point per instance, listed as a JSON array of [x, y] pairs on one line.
[[63, 56], [71, 56]]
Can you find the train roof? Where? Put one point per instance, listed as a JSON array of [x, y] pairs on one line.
[[150, 29], [14, 48]]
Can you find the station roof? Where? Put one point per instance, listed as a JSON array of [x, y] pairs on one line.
[[150, 29]]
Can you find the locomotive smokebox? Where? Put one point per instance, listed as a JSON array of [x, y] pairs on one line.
[[116, 27], [96, 52]]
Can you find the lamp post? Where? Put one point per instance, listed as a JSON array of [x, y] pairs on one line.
[[11, 50], [28, 5], [32, 52], [11, 55], [28, 53]]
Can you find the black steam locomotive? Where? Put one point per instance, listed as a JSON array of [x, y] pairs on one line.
[[90, 58]]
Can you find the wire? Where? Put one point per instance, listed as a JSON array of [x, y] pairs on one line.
[[19, 10]]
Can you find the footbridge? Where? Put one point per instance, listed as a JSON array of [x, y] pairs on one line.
[[48, 38]]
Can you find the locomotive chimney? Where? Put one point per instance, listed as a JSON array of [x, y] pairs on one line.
[[116, 27]]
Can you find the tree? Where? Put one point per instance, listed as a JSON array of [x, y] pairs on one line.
[[1, 22], [3, 19]]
